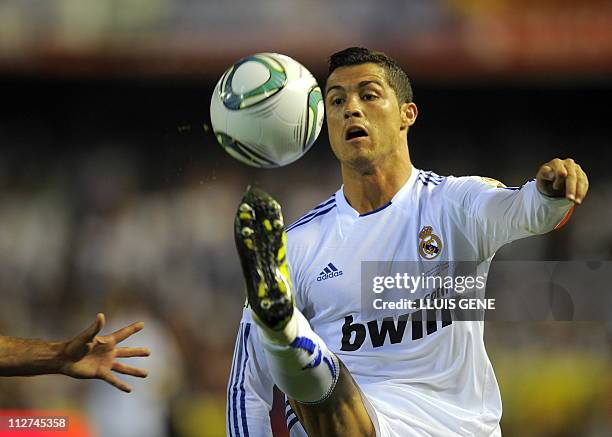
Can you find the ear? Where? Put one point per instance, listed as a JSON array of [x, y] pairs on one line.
[[408, 114]]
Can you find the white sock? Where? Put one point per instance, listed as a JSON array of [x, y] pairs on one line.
[[300, 362]]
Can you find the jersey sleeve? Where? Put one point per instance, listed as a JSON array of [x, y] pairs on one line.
[[250, 386], [502, 214]]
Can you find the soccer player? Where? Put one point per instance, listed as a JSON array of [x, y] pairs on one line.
[[302, 328], [86, 356]]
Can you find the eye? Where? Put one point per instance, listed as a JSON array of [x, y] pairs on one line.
[[369, 96], [337, 101]]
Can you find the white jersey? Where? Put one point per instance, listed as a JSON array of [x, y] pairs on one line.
[[436, 380]]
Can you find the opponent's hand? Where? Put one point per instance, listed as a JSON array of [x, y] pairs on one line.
[[91, 356], [563, 178]]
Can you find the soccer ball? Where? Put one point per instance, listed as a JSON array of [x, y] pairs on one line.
[[267, 110]]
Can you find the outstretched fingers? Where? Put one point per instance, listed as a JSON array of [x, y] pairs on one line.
[[92, 330], [129, 370], [128, 352], [113, 380], [123, 333]]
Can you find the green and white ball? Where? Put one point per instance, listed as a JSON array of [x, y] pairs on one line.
[[267, 110]]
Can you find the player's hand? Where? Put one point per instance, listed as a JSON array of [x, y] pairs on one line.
[[563, 178], [91, 356]]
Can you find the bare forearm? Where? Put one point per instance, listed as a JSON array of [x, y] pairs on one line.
[[26, 357]]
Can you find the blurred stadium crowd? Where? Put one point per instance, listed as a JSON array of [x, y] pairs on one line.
[[440, 38], [115, 197]]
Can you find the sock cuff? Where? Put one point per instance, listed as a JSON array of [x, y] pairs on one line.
[[334, 366]]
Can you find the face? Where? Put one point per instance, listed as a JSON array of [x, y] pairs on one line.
[[365, 121]]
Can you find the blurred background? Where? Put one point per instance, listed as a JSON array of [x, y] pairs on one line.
[[115, 197]]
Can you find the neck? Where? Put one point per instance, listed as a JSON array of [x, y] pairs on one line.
[[372, 186]]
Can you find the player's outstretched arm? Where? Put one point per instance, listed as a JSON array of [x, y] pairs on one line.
[[86, 356], [563, 178], [496, 215]]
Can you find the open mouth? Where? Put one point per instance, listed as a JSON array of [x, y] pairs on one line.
[[355, 132]]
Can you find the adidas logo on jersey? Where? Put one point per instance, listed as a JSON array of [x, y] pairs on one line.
[[330, 271]]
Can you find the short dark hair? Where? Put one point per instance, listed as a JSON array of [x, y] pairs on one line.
[[397, 78]]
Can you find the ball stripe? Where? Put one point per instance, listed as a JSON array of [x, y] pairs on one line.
[[314, 98], [276, 81], [242, 152]]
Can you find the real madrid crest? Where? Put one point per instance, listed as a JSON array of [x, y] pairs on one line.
[[430, 245]]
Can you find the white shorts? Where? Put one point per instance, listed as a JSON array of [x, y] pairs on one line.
[[398, 412]]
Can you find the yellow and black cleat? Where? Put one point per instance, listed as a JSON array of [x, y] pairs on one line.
[[260, 238]]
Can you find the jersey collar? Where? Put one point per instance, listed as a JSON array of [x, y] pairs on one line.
[[348, 214]]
